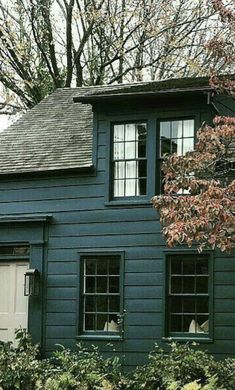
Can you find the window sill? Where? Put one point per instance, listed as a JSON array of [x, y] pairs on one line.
[[99, 337], [186, 339], [128, 202]]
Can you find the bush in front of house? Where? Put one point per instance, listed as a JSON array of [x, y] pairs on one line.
[[183, 367], [20, 366], [84, 370]]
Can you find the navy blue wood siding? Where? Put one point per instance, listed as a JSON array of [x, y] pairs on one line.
[[82, 221]]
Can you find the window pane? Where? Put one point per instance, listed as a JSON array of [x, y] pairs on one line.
[[187, 322], [102, 266], [113, 267], [118, 133], [202, 266], [113, 284], [188, 125], [130, 150], [204, 323], [90, 303], [175, 266], [202, 285], [176, 284], [188, 145], [101, 320], [90, 265], [101, 284], [189, 305], [90, 284], [119, 170], [119, 151], [130, 134], [131, 169], [189, 267], [142, 168], [177, 146], [177, 129], [89, 322], [131, 189], [119, 187], [114, 303], [165, 146], [102, 303], [176, 323], [176, 305], [188, 284], [142, 133], [165, 129], [142, 187], [202, 305]]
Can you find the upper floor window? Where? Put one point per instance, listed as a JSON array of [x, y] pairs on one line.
[[129, 159], [176, 136]]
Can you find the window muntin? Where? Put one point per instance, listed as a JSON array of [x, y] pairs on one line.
[[188, 295], [101, 294], [129, 159]]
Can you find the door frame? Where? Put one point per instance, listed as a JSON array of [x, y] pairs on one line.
[[30, 230], [9, 260]]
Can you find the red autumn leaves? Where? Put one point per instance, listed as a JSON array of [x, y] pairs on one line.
[[205, 212]]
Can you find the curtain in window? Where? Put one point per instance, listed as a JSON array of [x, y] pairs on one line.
[[126, 173]]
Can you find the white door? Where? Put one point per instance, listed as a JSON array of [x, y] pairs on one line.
[[13, 303]]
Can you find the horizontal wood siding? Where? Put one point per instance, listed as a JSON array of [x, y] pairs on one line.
[[82, 221]]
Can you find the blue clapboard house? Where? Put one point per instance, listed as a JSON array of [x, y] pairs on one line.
[[82, 257]]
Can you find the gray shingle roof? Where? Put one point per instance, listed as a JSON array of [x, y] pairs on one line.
[[57, 133]]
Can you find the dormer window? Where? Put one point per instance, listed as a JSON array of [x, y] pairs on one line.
[[129, 159]]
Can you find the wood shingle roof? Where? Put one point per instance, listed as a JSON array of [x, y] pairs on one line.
[[57, 133]]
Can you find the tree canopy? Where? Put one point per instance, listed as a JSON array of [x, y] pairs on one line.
[[198, 205], [199, 201], [46, 44]]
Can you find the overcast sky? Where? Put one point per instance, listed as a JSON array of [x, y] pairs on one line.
[[4, 121]]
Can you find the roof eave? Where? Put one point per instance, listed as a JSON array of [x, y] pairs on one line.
[[134, 95], [49, 172]]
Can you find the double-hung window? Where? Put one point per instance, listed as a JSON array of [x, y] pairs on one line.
[[188, 295], [129, 159], [101, 294], [176, 136]]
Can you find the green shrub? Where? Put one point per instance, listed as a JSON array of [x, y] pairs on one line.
[[20, 367], [184, 366], [89, 369]]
